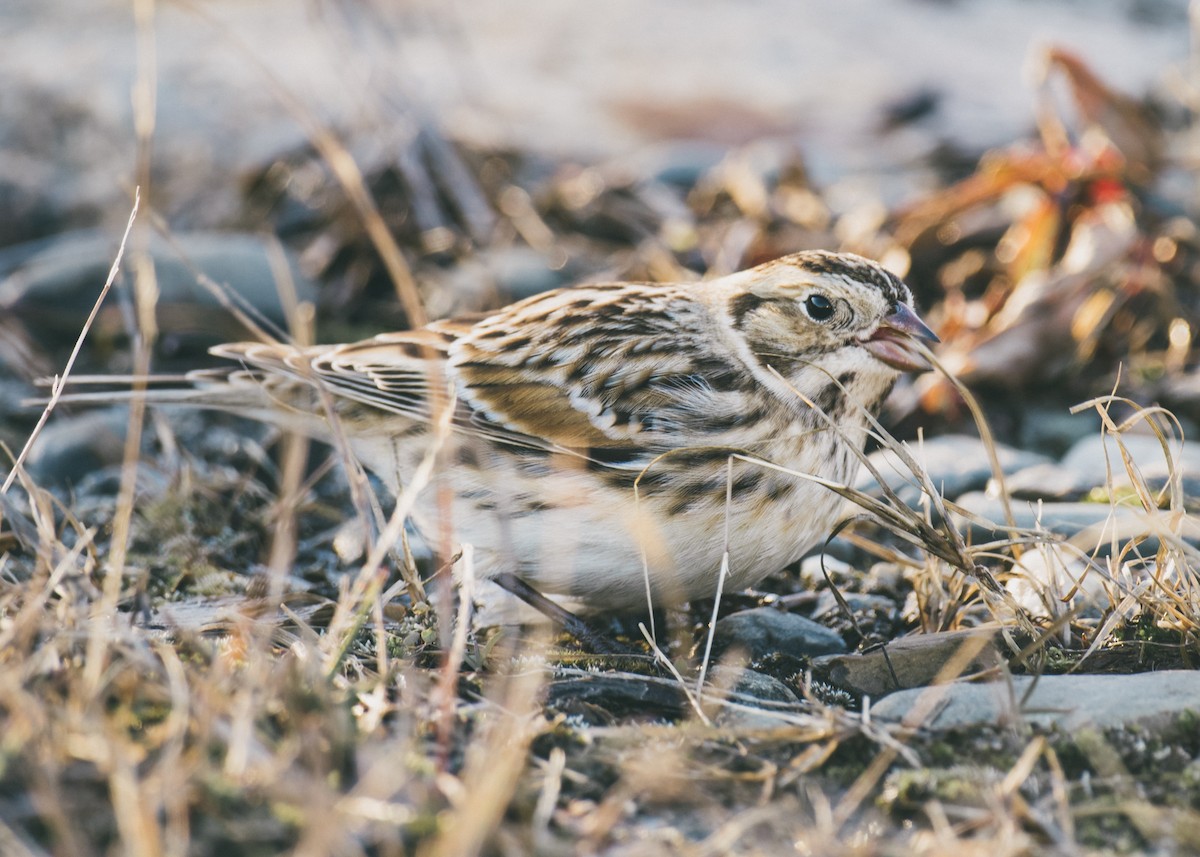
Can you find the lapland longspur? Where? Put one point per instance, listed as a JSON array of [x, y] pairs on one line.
[[593, 426]]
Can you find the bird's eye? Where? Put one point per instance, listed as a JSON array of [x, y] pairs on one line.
[[818, 307]]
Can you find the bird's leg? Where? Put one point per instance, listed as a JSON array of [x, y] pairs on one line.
[[588, 636]]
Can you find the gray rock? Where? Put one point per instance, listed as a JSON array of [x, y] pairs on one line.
[[750, 687], [766, 631], [52, 284], [1055, 430], [681, 163], [955, 463], [872, 616], [1069, 702], [912, 661], [610, 695], [1064, 519], [1046, 481], [858, 602], [13, 394], [628, 694], [72, 447], [754, 696], [1087, 459]]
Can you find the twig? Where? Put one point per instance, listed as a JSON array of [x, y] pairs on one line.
[[59, 383], [724, 573], [692, 699]]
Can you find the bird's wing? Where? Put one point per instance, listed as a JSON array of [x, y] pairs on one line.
[[391, 372], [602, 367], [626, 370]]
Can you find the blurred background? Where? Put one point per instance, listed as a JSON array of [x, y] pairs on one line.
[[1030, 168]]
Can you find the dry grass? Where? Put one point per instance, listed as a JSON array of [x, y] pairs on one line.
[[248, 717], [172, 683]]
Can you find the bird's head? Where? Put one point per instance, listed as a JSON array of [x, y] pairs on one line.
[[815, 303]]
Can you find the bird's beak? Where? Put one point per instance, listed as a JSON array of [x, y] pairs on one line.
[[894, 340]]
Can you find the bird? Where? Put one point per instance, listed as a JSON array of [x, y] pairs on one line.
[[613, 444]]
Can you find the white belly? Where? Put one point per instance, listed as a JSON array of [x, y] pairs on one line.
[[566, 530], [569, 534]]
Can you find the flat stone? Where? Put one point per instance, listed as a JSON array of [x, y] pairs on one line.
[[70, 448], [956, 464], [1087, 458], [912, 661], [601, 696], [52, 283], [750, 686], [1066, 519], [1069, 702], [1103, 520], [626, 694], [1046, 481], [766, 631], [858, 602], [752, 698]]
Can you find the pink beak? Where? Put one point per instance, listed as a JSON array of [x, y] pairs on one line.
[[892, 342]]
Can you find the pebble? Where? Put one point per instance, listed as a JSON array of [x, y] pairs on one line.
[[750, 686], [600, 696], [766, 631], [874, 616], [1055, 430], [858, 602], [1097, 459], [70, 449], [1045, 481], [956, 464], [1152, 700], [912, 661], [1064, 519], [755, 697], [13, 410], [52, 284]]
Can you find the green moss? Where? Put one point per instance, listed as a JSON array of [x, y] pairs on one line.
[[964, 785], [1105, 827]]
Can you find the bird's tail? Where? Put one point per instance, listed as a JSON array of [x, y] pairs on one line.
[[279, 392]]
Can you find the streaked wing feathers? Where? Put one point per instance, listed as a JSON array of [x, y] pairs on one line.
[[598, 366], [390, 372], [593, 367]]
